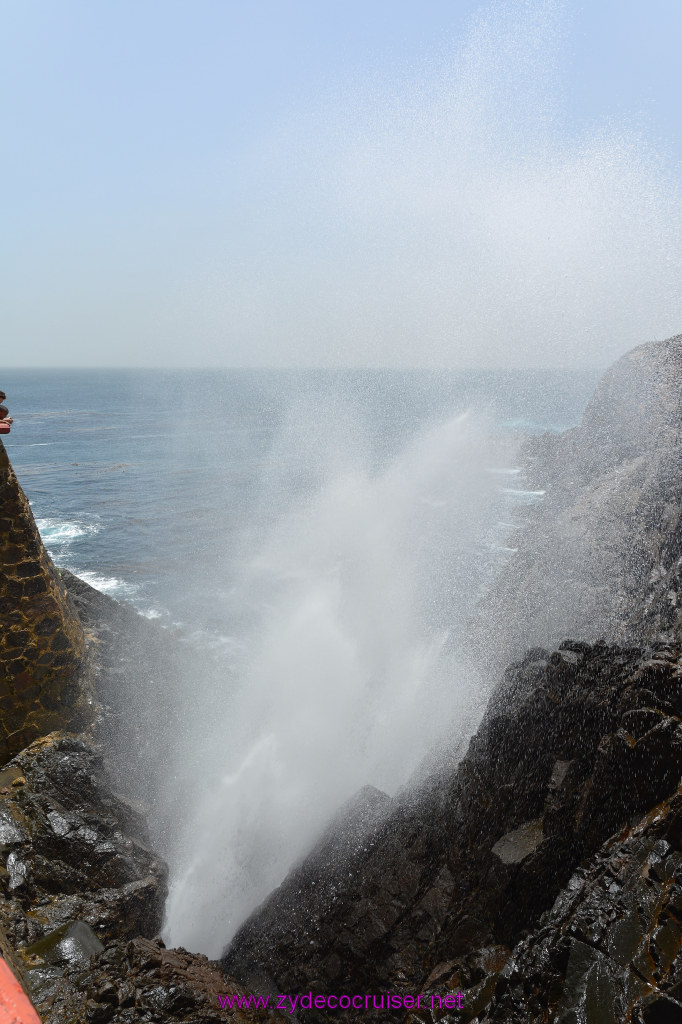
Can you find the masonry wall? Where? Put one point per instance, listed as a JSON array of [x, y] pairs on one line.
[[41, 640]]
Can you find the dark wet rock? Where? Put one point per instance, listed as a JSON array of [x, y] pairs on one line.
[[476, 855], [70, 946], [140, 980], [144, 676], [74, 855], [610, 948], [515, 846], [138, 670]]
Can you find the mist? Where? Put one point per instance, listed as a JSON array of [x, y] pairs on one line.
[[349, 673], [454, 219]]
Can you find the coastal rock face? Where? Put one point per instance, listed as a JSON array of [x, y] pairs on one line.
[[575, 744], [610, 949], [82, 897], [41, 639], [76, 870], [143, 676], [600, 556], [138, 670], [72, 850]]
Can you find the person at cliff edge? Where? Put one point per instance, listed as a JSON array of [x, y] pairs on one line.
[[5, 419]]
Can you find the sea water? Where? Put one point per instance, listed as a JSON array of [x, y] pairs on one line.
[[141, 479]]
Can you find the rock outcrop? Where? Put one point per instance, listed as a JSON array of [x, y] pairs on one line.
[[578, 742], [610, 949], [575, 744], [77, 864], [141, 672], [73, 850], [600, 556], [141, 980], [42, 645]]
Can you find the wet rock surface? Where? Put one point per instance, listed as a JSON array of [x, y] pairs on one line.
[[610, 949], [141, 980], [71, 850], [599, 556], [145, 678], [82, 897], [138, 670], [577, 742]]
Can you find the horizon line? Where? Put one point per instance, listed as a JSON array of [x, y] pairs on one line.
[[310, 369]]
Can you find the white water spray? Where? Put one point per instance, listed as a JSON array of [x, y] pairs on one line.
[[345, 680], [456, 216]]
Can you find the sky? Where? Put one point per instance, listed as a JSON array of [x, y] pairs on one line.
[[386, 182]]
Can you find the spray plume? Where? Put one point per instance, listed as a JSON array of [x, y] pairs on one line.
[[455, 222]]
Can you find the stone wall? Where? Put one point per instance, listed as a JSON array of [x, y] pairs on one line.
[[41, 640]]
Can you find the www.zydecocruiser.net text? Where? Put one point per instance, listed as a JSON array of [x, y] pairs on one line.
[[379, 1001]]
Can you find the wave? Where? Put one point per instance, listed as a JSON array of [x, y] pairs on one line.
[[521, 497], [110, 585], [152, 613], [61, 537], [61, 532], [207, 639]]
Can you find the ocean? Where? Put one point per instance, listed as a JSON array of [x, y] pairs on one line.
[[136, 477]]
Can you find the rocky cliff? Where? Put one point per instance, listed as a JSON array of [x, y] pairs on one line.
[[600, 557], [445, 888], [579, 743]]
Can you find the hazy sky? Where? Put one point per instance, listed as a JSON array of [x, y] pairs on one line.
[[408, 182]]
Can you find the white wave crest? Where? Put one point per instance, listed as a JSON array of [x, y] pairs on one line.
[[56, 531], [110, 585]]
